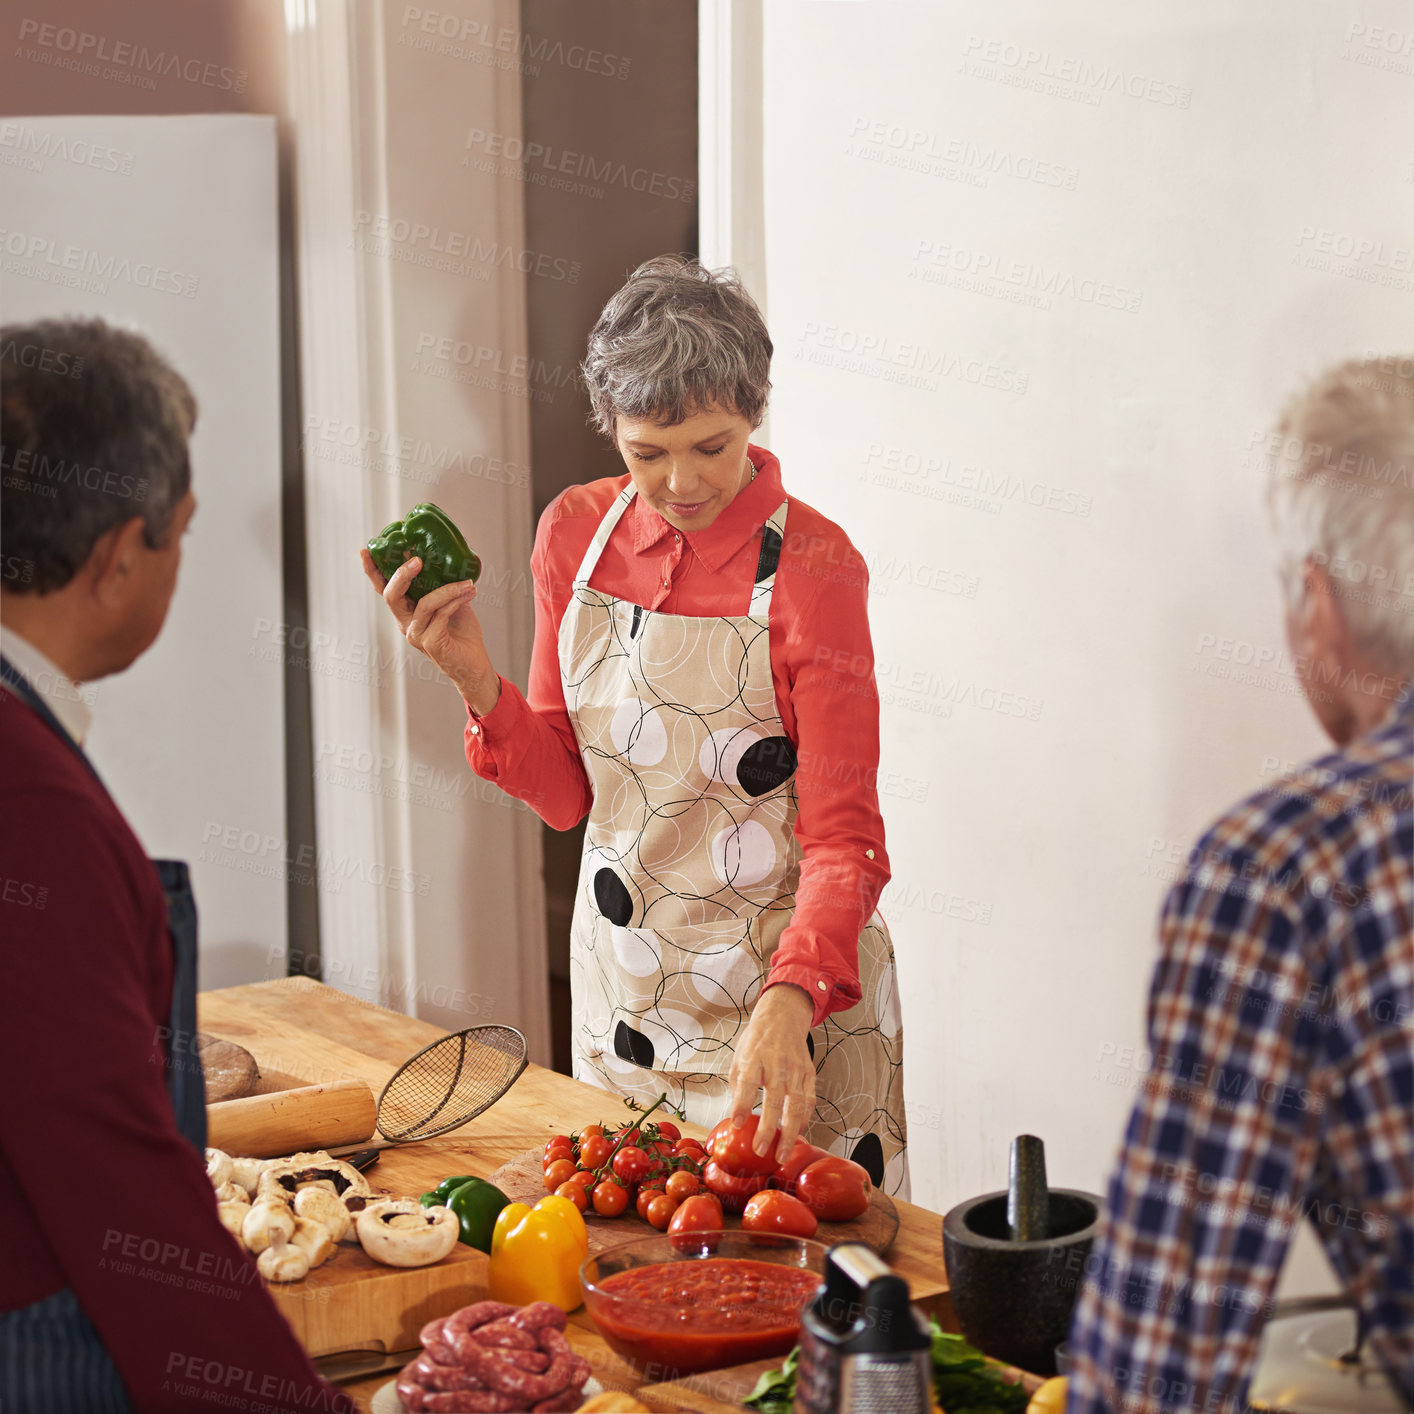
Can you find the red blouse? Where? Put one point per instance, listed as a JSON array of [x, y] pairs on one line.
[[822, 662]]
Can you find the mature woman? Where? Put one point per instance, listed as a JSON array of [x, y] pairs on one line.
[[702, 688]]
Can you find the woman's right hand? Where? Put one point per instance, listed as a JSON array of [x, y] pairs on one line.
[[443, 626]]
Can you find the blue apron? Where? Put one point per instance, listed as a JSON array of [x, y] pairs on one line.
[[51, 1358]]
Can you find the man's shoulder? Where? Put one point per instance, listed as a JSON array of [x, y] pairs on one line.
[[1332, 829]]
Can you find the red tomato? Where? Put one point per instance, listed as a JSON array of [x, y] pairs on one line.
[[731, 1148], [682, 1185], [628, 1130], [733, 1189], [669, 1131], [801, 1154], [661, 1210], [834, 1189], [590, 1130], [631, 1164], [587, 1177], [610, 1199], [681, 1146], [660, 1147], [561, 1171], [594, 1152], [559, 1149], [575, 1193], [558, 1139], [774, 1211], [646, 1194], [702, 1213]]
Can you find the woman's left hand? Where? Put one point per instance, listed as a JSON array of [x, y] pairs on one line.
[[772, 1056]]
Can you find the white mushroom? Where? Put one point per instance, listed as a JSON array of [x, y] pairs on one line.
[[218, 1167], [233, 1216], [232, 1193], [283, 1261], [399, 1232], [321, 1206], [285, 1177], [314, 1240], [354, 1204], [246, 1172], [267, 1220]]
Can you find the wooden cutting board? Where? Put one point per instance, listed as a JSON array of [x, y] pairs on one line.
[[523, 1181], [355, 1303]]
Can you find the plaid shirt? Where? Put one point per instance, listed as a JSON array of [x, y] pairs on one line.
[[1279, 1085]]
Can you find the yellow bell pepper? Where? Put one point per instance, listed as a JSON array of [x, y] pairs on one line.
[[536, 1254]]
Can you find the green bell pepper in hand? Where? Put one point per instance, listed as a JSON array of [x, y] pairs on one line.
[[428, 532]]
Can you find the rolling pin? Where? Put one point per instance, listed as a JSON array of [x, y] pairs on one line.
[[289, 1121]]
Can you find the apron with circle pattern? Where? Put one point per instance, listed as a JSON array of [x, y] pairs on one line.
[[691, 863]]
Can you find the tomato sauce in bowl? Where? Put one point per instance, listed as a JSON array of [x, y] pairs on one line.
[[701, 1312]]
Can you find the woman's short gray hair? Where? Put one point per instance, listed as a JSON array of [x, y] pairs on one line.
[[677, 339], [1342, 497]]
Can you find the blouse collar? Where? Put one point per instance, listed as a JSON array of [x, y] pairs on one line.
[[749, 510]]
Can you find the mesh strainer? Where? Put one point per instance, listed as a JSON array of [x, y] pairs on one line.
[[447, 1084]]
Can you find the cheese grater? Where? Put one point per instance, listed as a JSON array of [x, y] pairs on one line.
[[863, 1348]]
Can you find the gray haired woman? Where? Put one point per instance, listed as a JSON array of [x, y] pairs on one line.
[[702, 687]]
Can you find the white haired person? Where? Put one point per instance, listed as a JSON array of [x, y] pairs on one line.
[[702, 687], [1281, 1014]]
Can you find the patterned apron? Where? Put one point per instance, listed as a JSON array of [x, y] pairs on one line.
[[51, 1358], [691, 863]]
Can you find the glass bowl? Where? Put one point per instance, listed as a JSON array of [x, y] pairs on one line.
[[695, 1301]]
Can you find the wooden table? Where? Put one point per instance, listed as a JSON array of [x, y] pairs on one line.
[[304, 1033]]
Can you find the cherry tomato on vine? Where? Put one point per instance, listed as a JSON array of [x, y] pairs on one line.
[[590, 1131], [610, 1199], [669, 1130], [682, 1185], [661, 1210], [646, 1194], [594, 1152], [587, 1178], [558, 1172], [689, 1146], [631, 1164], [558, 1150], [575, 1192]]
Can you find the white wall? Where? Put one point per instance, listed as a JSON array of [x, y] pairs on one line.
[[168, 226], [1023, 827]]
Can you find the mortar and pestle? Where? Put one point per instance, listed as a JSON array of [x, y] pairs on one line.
[[1016, 1261]]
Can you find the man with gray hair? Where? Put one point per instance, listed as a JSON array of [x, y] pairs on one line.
[[1281, 1014], [120, 1288]]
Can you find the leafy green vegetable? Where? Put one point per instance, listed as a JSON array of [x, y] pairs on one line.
[[963, 1381], [775, 1390]]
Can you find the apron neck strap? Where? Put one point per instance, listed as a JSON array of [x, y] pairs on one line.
[[601, 536], [772, 538]]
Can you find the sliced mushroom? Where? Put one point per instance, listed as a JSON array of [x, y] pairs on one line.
[[218, 1167], [285, 1177], [321, 1206], [314, 1240], [399, 1232], [267, 1220], [232, 1193], [233, 1216], [246, 1172], [282, 1260]]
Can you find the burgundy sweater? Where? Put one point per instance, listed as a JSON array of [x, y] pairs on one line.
[[99, 1191]]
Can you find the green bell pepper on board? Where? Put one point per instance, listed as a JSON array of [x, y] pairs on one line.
[[429, 532], [474, 1202]]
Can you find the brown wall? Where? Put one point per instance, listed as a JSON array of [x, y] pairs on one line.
[[625, 92]]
